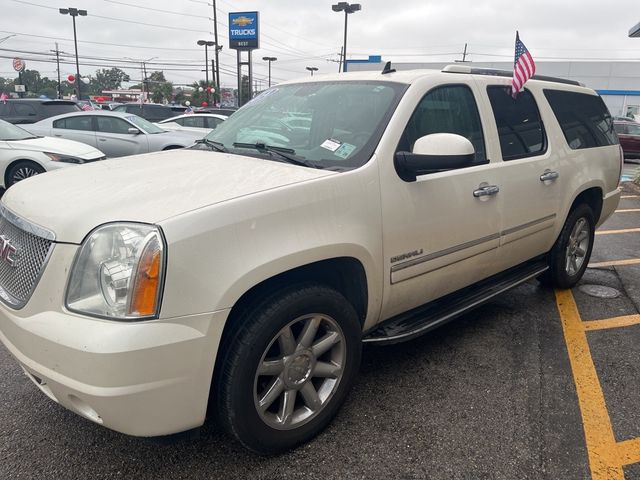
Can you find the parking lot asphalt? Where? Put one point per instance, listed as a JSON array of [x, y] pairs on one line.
[[536, 384]]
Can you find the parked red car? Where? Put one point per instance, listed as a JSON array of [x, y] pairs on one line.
[[629, 135]]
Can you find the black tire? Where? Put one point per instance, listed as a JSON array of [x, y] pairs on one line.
[[237, 388], [561, 274], [21, 170]]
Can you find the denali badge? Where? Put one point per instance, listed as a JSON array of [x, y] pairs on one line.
[[404, 256], [7, 251]]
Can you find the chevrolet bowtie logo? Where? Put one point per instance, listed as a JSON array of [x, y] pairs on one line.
[[242, 21]]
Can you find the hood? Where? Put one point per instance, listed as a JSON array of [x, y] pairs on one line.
[[57, 145], [144, 188]]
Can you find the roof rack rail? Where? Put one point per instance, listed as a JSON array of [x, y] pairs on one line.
[[504, 73]]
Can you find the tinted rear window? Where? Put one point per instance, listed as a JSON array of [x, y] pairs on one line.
[[584, 119]]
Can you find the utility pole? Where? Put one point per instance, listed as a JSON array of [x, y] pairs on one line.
[[216, 72], [57, 52], [144, 80]]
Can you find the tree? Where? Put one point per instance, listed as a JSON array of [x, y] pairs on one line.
[[160, 89], [108, 79]]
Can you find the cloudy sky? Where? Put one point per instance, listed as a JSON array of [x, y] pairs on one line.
[[304, 33]]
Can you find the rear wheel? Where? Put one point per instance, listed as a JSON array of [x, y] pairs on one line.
[[21, 170], [288, 368], [570, 254]]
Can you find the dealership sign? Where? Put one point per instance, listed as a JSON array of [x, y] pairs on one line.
[[243, 31]]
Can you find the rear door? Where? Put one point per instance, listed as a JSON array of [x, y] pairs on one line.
[[530, 180], [78, 128], [114, 139]]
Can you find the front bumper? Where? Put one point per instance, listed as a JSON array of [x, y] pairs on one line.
[[139, 378]]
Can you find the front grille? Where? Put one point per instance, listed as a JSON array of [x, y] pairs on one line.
[[24, 251]]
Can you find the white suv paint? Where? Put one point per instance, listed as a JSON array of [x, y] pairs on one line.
[[247, 271]]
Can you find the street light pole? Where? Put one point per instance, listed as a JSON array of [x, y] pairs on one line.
[[216, 71], [269, 59], [312, 69], [347, 9], [74, 12], [207, 44]]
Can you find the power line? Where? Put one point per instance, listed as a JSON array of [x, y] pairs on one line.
[[117, 19]]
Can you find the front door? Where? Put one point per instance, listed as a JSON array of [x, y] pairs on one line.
[[114, 139], [440, 232]]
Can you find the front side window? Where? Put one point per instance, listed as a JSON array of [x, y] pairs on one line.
[[74, 123], [213, 122], [112, 125], [446, 109], [584, 119], [519, 125], [633, 129], [343, 122]]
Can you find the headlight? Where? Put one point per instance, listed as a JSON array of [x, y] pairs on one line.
[[119, 272], [57, 157]]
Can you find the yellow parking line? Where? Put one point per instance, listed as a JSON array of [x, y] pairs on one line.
[[615, 263], [606, 457], [612, 232], [628, 210], [616, 322]]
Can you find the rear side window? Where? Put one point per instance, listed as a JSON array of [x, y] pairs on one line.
[[584, 119], [24, 110], [519, 125], [74, 123], [53, 109]]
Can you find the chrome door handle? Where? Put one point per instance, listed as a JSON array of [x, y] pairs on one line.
[[57, 135], [549, 175], [102, 139], [486, 191]]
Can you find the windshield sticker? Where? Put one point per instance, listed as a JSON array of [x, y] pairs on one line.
[[379, 88], [331, 144], [345, 150]]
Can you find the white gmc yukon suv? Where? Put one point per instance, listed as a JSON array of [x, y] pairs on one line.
[[240, 277]]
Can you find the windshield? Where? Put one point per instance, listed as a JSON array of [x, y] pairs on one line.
[[333, 125], [144, 124], [10, 132]]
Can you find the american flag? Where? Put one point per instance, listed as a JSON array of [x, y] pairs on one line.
[[86, 107], [4, 97], [189, 110], [523, 67]]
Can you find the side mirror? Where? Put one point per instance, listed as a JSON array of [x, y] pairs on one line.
[[133, 131], [434, 153]]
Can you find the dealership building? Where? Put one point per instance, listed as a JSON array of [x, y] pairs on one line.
[[618, 82]]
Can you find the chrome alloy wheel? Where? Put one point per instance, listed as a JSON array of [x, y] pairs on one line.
[[577, 247], [24, 172], [299, 371]]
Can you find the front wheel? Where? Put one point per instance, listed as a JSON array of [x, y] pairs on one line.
[[22, 170], [288, 368], [570, 254]]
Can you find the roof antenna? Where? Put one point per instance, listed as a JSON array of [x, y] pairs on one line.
[[387, 69]]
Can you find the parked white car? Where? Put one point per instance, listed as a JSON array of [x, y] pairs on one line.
[[117, 134], [244, 277], [24, 155], [196, 122]]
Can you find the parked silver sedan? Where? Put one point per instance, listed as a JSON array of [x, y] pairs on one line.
[[117, 134]]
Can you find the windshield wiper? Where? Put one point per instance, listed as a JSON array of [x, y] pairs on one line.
[[286, 153], [211, 144]]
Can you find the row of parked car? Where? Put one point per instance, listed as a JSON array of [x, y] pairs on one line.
[[58, 133]]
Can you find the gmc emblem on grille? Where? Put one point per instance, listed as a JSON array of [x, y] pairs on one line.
[[7, 251]]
